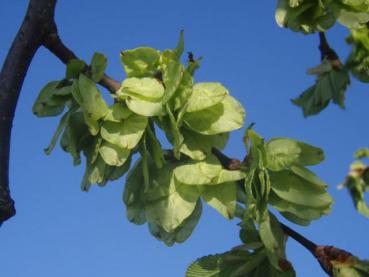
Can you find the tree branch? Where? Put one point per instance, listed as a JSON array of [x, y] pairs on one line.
[[54, 44], [37, 21], [38, 28]]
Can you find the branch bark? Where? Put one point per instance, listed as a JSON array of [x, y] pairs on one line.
[[36, 24], [38, 28]]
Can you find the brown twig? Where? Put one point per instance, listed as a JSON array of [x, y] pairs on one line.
[[54, 44], [326, 52]]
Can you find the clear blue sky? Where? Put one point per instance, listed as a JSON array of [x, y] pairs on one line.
[[60, 231]]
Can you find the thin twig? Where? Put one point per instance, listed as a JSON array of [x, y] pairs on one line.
[[326, 52], [54, 44]]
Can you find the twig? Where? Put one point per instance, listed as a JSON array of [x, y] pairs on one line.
[[326, 52], [54, 44]]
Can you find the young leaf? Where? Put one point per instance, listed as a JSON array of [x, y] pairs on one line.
[[74, 68], [206, 95], [47, 102], [147, 89], [140, 62], [125, 134], [98, 66], [113, 155], [227, 115], [222, 198], [92, 102]]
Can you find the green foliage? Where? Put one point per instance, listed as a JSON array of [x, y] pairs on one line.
[[331, 84], [276, 175], [237, 263], [309, 16], [358, 60], [167, 188], [357, 181], [164, 188]]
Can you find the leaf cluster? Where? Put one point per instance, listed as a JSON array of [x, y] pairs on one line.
[[357, 181], [164, 188], [310, 16]]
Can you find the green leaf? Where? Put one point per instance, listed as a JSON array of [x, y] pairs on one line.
[[178, 51], [230, 264], [199, 173], [169, 202], [74, 68], [206, 95], [92, 124], [273, 239], [297, 190], [145, 108], [172, 76], [227, 115], [282, 153], [154, 147], [198, 146], [113, 155], [125, 134], [98, 66], [48, 103], [140, 62], [94, 174], [147, 89], [118, 112], [183, 92], [182, 232], [73, 137], [91, 100], [329, 87], [113, 173], [133, 196], [222, 198], [177, 137], [305, 213], [59, 130]]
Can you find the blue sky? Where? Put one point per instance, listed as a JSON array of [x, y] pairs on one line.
[[60, 231]]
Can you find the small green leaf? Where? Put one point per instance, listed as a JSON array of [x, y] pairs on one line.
[[227, 115], [74, 68], [113, 155], [222, 198], [91, 100], [98, 66], [48, 103], [140, 62], [147, 89], [206, 95], [125, 134]]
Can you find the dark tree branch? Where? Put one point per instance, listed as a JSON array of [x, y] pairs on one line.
[[53, 43], [38, 28], [36, 24]]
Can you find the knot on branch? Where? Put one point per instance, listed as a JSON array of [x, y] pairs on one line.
[[329, 255], [226, 162]]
